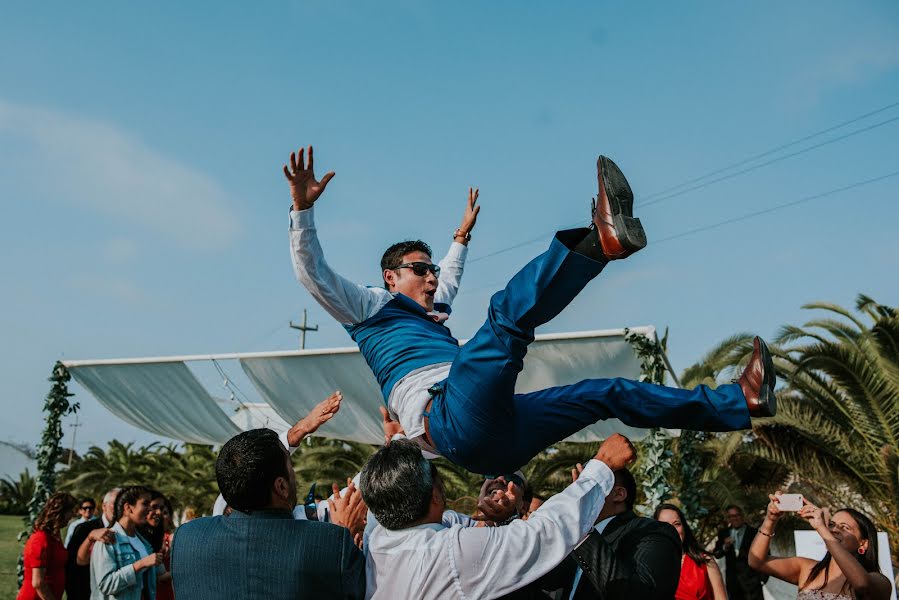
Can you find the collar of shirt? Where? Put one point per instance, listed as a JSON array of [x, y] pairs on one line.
[[106, 522], [601, 526]]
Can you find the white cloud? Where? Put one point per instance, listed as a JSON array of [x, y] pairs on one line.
[[97, 165]]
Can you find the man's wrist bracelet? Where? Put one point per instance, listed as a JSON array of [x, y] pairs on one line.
[[462, 234]]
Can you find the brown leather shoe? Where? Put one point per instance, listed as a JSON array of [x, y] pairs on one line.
[[757, 382], [620, 234]]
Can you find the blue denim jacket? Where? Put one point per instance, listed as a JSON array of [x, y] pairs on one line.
[[113, 577]]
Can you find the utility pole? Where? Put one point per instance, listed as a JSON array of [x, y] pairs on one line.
[[303, 329], [74, 427]]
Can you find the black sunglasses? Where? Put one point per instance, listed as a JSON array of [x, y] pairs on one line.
[[87, 508], [420, 268]]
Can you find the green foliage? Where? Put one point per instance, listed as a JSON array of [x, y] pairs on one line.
[[186, 476], [15, 495], [656, 446], [56, 406], [837, 428]]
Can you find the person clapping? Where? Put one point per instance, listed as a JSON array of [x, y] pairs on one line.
[[849, 569]]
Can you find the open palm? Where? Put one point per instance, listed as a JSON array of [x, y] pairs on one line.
[[304, 188]]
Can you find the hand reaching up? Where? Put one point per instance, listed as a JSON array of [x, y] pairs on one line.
[[500, 505], [348, 510], [391, 427], [304, 188], [617, 452], [323, 412]]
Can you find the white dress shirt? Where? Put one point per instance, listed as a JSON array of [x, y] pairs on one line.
[[433, 561], [351, 303]]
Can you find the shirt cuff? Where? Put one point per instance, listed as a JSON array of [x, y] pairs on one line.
[[457, 251], [598, 471], [303, 219], [283, 438]]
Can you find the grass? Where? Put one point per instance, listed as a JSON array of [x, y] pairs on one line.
[[10, 526]]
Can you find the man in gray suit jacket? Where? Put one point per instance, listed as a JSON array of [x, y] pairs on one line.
[[260, 551]]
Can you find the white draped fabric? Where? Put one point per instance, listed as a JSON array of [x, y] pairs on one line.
[[163, 396]]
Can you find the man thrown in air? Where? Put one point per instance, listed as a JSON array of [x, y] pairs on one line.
[[461, 402]]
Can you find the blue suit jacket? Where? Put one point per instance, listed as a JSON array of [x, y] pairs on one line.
[[266, 554]]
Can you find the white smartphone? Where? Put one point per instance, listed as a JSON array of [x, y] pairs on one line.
[[789, 502]]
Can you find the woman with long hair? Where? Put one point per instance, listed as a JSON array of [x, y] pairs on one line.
[[849, 569], [126, 568], [45, 556], [700, 577]]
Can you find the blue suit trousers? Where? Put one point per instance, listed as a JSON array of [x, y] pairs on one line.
[[478, 421]]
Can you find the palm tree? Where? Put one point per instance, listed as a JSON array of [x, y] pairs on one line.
[[837, 427], [15, 495]]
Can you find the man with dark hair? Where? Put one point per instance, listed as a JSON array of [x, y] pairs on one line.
[[733, 543], [260, 551], [453, 400], [411, 553], [625, 556]]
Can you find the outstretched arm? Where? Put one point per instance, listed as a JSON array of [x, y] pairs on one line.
[[318, 416], [453, 263], [789, 569], [344, 300]]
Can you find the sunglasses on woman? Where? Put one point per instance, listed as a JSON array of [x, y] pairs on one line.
[[420, 268]]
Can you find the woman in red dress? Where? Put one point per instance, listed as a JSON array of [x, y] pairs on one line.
[[700, 577], [45, 556]]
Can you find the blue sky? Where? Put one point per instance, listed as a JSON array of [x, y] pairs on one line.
[[141, 148]]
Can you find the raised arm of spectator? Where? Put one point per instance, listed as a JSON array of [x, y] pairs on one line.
[[344, 300], [323, 412], [499, 560], [787, 569], [453, 264], [874, 586]]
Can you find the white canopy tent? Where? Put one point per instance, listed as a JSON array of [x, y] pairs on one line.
[[164, 395]]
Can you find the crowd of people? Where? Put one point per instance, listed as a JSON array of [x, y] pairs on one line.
[[388, 533]]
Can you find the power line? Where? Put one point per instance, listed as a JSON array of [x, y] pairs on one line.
[[746, 216], [644, 204], [768, 162], [776, 208], [771, 151]]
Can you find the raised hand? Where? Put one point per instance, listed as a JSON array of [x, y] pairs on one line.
[[498, 506], [774, 512], [818, 518], [617, 452], [348, 510], [391, 427], [323, 412], [304, 188], [469, 218]]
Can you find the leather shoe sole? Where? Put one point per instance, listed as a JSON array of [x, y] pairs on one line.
[[620, 234]]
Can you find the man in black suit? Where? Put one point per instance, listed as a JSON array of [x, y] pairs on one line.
[[625, 556], [260, 551], [78, 576], [733, 544]]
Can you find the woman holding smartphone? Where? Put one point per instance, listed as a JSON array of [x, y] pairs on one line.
[[848, 571]]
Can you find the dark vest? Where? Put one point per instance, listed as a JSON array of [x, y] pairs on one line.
[[403, 337]]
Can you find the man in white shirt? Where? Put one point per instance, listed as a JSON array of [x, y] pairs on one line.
[[461, 403], [411, 553]]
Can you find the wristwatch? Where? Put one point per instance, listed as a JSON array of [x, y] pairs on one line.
[[460, 233]]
